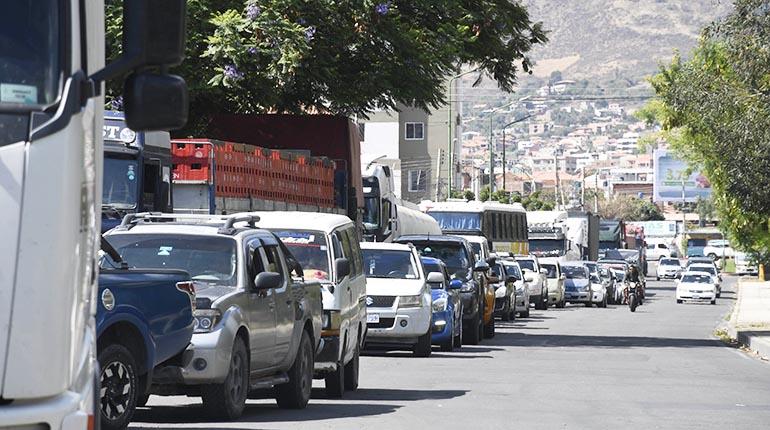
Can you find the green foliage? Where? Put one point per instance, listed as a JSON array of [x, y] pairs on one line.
[[484, 194], [537, 202], [715, 111], [705, 209], [630, 209], [341, 57], [468, 194]]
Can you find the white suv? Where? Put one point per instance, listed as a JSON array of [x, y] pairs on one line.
[[718, 249], [398, 298]]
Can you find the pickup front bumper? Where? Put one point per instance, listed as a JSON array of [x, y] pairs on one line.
[[398, 326]]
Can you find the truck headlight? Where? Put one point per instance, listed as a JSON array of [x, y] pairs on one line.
[[500, 292], [410, 301], [206, 319], [440, 304]]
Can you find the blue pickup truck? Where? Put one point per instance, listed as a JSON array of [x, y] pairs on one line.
[[144, 318]]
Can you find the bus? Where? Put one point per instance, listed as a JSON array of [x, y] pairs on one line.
[[504, 225]]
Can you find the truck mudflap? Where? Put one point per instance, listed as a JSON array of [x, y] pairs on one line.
[[327, 356]]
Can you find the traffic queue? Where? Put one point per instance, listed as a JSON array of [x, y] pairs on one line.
[[282, 298]]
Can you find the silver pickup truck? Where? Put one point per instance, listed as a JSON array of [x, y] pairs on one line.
[[257, 323]]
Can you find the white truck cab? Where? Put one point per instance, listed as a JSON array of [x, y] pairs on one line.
[[51, 104], [327, 248], [399, 303]]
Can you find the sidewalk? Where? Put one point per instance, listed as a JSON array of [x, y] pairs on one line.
[[750, 320]]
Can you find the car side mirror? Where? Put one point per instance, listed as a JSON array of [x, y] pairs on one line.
[[544, 271], [267, 281], [455, 284], [481, 266], [435, 278], [562, 277], [491, 261], [341, 268], [529, 277]]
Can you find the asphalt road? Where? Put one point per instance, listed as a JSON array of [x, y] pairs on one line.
[[574, 368]]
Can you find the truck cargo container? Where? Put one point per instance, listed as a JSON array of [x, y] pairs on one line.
[[334, 137]]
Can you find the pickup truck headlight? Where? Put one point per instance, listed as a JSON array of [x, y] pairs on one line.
[[206, 319], [331, 321], [587, 288], [410, 301], [440, 304]]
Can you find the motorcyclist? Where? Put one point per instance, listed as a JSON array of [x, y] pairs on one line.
[[634, 280]]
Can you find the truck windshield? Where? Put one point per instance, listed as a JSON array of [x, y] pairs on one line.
[[310, 249], [575, 272], [119, 187], [546, 247], [208, 259], [457, 221], [29, 53], [381, 263]]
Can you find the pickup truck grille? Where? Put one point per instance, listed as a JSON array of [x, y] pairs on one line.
[[384, 323], [380, 301]]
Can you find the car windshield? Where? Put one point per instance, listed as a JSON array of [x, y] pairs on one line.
[[512, 271], [29, 53], [698, 279], [575, 272], [457, 221], [551, 268], [670, 262], [208, 259], [476, 247], [621, 275], [592, 268], [546, 247], [706, 269], [310, 249], [392, 264], [453, 255], [119, 186], [526, 264], [497, 270]]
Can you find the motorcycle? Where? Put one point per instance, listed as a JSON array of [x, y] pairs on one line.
[[634, 295]]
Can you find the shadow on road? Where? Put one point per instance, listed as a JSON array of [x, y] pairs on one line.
[[555, 340], [267, 412]]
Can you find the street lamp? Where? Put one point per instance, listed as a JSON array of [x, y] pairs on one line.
[[505, 127], [450, 141], [491, 145]]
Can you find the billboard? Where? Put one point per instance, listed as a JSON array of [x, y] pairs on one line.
[[667, 186]]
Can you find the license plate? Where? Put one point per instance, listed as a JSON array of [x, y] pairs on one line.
[[373, 318]]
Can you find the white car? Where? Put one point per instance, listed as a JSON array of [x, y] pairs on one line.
[[598, 290], [656, 251], [711, 271], [555, 278], [668, 268], [744, 265], [399, 303], [536, 280], [696, 287], [513, 270], [718, 249]]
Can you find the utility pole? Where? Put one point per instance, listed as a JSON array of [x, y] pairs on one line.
[[504, 128], [596, 192], [438, 176], [583, 189], [684, 215], [557, 197], [491, 158]]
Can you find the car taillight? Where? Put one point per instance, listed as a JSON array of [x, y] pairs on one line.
[[189, 288]]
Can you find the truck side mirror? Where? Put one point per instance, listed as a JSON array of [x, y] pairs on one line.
[[267, 281], [155, 102], [341, 268]]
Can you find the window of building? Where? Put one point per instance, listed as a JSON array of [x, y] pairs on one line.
[[418, 181], [415, 131]]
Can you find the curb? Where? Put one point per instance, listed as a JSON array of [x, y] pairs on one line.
[[757, 342]]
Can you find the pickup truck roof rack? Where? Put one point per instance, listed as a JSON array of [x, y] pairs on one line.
[[227, 221]]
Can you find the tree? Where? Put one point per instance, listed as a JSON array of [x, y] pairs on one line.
[[715, 112], [630, 209], [342, 57], [705, 209]]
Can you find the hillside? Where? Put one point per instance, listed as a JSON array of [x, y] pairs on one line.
[[595, 39]]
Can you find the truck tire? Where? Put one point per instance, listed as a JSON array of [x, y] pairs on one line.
[[118, 374], [351, 371], [505, 315], [423, 346], [459, 338], [227, 400], [296, 393], [471, 333]]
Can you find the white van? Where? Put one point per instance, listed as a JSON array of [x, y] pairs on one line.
[[327, 247], [398, 297]]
